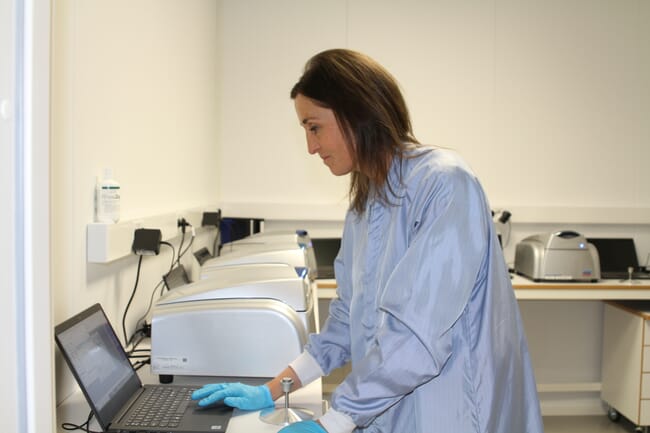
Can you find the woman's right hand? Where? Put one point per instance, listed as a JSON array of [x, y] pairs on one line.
[[237, 395]]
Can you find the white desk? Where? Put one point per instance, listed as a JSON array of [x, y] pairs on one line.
[[74, 409], [564, 328], [530, 290]]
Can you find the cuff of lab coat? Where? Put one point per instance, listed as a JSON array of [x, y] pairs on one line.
[[306, 368], [336, 422]]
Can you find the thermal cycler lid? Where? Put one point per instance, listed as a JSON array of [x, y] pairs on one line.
[[291, 254], [263, 271], [297, 237], [292, 290]]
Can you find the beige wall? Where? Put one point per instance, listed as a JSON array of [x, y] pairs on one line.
[[548, 101], [135, 87]]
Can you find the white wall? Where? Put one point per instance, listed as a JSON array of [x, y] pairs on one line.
[[135, 87], [264, 155], [548, 101]]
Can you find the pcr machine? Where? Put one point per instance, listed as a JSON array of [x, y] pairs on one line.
[[275, 247], [559, 256], [248, 316], [299, 237]]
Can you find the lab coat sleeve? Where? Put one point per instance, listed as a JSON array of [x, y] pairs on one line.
[[423, 297], [306, 368]]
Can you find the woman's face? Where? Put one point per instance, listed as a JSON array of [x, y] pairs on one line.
[[324, 136]]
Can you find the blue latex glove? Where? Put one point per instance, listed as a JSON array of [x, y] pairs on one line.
[[237, 395], [303, 427]]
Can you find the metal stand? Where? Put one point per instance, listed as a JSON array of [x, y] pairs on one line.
[[629, 280], [285, 415]]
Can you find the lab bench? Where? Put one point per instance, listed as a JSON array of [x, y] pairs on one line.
[[526, 289], [564, 328], [75, 409]]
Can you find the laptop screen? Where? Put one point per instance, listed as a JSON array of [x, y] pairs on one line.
[[98, 362], [615, 254], [326, 250]]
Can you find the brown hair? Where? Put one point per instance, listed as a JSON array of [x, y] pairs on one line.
[[370, 111]]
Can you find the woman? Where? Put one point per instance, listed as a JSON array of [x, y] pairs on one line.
[[425, 309]]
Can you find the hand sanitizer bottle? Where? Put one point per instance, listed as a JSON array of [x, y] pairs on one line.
[[108, 199]]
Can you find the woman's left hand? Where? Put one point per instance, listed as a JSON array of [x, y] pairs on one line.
[[303, 427]]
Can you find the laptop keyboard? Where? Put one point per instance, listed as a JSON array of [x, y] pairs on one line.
[[161, 407], [636, 275]]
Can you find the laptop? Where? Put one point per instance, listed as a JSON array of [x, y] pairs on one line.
[[616, 255], [114, 391], [325, 250]]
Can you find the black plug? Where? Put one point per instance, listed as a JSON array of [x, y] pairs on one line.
[[505, 216], [146, 330], [211, 218], [146, 242], [182, 223]]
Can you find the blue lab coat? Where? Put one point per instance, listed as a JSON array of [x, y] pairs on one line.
[[426, 312]]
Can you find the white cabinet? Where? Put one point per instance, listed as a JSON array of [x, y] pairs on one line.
[[626, 360]]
